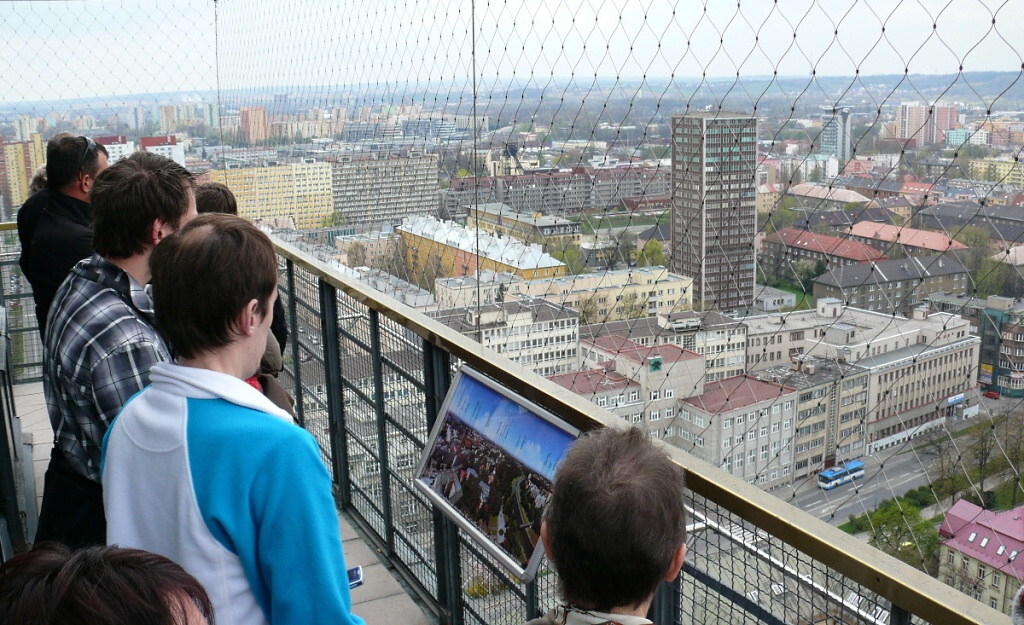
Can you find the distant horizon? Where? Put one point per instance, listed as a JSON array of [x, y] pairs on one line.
[[339, 89]]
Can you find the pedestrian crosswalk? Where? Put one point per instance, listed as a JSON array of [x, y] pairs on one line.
[[740, 534]]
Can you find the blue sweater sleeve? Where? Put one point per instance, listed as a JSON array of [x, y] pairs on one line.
[[272, 507]]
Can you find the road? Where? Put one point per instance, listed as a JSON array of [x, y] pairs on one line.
[[889, 473]]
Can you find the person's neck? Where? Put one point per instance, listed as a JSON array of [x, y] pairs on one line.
[[73, 191], [640, 611], [231, 360], [136, 266]]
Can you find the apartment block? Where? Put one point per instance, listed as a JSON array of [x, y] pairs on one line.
[[784, 249], [19, 161], [300, 192], [743, 425], [644, 385], [719, 339], [533, 332], [894, 286], [921, 367], [831, 410], [999, 324], [978, 552], [714, 216], [434, 248], [554, 234], [382, 187]]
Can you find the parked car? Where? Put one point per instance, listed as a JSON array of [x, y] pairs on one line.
[[991, 394]]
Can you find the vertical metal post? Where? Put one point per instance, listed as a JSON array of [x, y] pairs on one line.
[[532, 601], [9, 468], [293, 328], [437, 379], [382, 432], [899, 616], [332, 385], [667, 605]]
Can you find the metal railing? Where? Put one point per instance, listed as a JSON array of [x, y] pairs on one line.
[[368, 375]]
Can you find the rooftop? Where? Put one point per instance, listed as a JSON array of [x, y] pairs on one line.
[[736, 392], [593, 381], [925, 239], [504, 250], [993, 538], [825, 244], [630, 350], [896, 270], [820, 371], [830, 194]]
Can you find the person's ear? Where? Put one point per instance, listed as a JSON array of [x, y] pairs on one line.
[[545, 537], [677, 562], [249, 319], [160, 230]]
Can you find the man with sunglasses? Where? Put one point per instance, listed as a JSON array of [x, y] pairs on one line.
[[63, 232]]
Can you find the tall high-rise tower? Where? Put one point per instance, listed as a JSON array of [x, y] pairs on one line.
[[835, 132], [714, 218]]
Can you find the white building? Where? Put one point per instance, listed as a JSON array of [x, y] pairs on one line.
[[533, 332]]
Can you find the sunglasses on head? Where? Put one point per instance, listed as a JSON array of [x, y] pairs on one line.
[[90, 148]]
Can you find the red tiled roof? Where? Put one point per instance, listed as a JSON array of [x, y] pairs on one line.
[[736, 392], [592, 381], [925, 239], [630, 350], [825, 244], [149, 142], [998, 536]]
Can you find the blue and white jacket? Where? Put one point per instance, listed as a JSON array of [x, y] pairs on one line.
[[202, 468]]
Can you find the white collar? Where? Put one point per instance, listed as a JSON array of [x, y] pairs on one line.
[[568, 615], [207, 384]]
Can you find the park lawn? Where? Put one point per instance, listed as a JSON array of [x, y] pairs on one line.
[[804, 301]]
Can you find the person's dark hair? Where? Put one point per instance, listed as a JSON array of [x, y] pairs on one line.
[[130, 195], [204, 275], [67, 157], [615, 519], [213, 197], [51, 585]]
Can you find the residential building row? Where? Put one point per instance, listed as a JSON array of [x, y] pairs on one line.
[[598, 297]]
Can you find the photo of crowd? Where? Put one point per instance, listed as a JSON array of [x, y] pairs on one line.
[[497, 493]]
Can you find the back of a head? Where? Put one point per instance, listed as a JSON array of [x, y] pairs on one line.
[[203, 277], [66, 156], [52, 585], [130, 195], [213, 197], [615, 519]]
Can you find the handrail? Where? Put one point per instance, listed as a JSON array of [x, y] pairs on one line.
[[904, 586]]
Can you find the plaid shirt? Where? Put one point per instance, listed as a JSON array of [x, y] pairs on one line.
[[100, 345]]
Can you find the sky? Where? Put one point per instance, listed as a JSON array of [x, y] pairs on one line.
[[64, 50], [532, 440]]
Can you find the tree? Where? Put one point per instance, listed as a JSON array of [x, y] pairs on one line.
[[573, 257], [991, 278], [651, 255], [898, 529], [357, 255], [633, 305], [977, 240], [806, 271], [948, 477], [334, 219], [587, 309]]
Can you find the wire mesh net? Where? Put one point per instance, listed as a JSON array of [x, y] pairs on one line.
[[785, 237]]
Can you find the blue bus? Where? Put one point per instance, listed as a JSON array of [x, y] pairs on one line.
[[841, 474]]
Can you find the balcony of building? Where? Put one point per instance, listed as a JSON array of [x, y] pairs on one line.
[[369, 374]]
